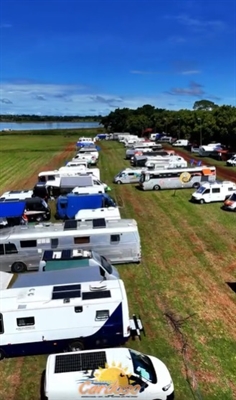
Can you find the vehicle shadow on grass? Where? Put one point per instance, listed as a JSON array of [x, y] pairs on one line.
[[232, 286]]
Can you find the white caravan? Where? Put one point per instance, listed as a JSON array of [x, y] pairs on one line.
[[89, 157], [21, 247], [75, 170], [210, 192], [173, 162], [114, 373], [89, 189], [206, 151], [180, 143], [49, 319], [78, 162], [108, 213]]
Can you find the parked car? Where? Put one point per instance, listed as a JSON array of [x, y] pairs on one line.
[[230, 203]]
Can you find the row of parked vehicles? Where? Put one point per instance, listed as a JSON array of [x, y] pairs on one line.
[[74, 305], [154, 169]]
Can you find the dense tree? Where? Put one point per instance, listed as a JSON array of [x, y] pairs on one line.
[[206, 105]]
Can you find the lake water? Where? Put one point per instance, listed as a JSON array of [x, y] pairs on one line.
[[32, 126]]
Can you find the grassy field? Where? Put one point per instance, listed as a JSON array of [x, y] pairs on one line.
[[180, 288]]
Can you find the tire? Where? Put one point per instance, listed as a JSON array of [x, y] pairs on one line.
[[77, 345], [2, 355], [201, 201], [119, 182], [18, 267], [42, 381], [156, 187]]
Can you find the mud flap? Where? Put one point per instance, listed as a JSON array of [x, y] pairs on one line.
[[136, 327]]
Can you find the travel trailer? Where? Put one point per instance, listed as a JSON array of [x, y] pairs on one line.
[[216, 191], [177, 178], [180, 143], [108, 213], [55, 318], [103, 373], [21, 247], [77, 170]]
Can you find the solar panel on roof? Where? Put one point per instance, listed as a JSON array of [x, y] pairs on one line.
[[66, 254], [47, 255], [96, 295], [70, 224], [71, 294], [80, 362], [99, 223], [66, 288]]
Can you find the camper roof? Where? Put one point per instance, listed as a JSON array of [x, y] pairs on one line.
[[39, 297]]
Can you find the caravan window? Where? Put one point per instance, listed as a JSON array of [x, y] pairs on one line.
[[10, 248], [29, 321], [54, 243], [1, 249], [1, 324], [81, 240], [28, 243], [115, 238], [216, 190]]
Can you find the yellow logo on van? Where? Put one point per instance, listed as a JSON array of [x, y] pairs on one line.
[[113, 380], [185, 177]]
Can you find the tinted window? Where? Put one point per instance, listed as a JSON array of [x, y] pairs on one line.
[[28, 243], [10, 248], [1, 324], [207, 191], [115, 238], [216, 190], [1, 249], [54, 243], [81, 240], [29, 321]]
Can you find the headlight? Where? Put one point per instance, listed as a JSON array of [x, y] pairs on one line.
[[167, 387]]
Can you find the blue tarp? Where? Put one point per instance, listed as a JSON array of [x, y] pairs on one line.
[[12, 209]]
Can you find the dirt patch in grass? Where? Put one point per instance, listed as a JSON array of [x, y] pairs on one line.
[[226, 175]]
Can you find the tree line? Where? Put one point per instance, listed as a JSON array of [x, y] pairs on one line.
[[206, 123], [48, 118]]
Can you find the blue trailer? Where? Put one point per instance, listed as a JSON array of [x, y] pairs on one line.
[[11, 213], [68, 206]]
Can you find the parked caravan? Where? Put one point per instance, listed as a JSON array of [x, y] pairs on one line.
[[93, 150], [216, 191], [79, 161], [76, 259], [207, 151], [231, 162], [68, 206], [89, 157], [108, 213], [74, 170], [65, 184], [21, 246], [174, 162], [230, 203], [128, 175], [177, 178], [140, 161], [17, 195], [180, 143], [50, 319], [117, 373], [89, 189]]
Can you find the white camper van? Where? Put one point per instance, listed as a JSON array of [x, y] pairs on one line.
[[231, 162], [114, 373], [180, 143], [17, 195], [49, 319], [210, 192], [128, 175], [108, 213]]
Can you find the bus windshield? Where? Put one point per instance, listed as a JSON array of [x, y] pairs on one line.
[[143, 366]]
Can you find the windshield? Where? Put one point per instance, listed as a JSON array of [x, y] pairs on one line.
[[142, 177], [233, 197], [103, 261], [143, 366], [201, 189]]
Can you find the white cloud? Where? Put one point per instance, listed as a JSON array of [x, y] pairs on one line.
[[191, 72], [197, 23]]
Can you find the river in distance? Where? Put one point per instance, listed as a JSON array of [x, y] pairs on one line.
[[33, 126]]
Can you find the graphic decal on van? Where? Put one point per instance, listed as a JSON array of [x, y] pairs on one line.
[[113, 380]]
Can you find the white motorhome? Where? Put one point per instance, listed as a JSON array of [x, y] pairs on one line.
[[103, 373], [108, 213], [206, 151], [78, 162], [21, 247], [89, 189], [76, 170], [89, 157], [180, 143], [88, 150], [212, 192], [55, 318], [17, 195], [173, 162], [46, 176]]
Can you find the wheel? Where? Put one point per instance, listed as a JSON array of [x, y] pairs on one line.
[[156, 187], [202, 201], [76, 346], [2, 355], [119, 182], [18, 267]]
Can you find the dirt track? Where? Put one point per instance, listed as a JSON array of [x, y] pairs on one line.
[[227, 175]]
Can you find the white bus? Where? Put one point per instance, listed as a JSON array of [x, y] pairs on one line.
[[177, 178]]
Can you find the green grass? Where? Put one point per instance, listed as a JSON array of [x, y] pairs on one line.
[[188, 255]]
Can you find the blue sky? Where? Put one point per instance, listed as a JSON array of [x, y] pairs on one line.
[[85, 57]]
